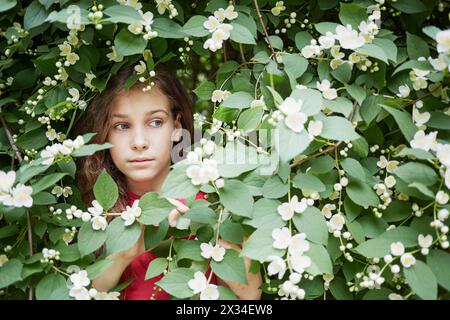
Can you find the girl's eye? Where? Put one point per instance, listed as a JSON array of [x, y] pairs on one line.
[[121, 126], [159, 123]]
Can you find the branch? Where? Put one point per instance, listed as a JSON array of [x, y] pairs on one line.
[[265, 31], [30, 230]]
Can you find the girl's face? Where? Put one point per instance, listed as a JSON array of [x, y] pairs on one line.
[[141, 128]]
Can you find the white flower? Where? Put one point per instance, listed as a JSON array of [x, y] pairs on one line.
[[99, 222], [390, 181], [423, 141], [282, 238], [212, 45], [140, 68], [447, 177], [407, 260], [80, 293], [57, 190], [439, 64], [216, 253], [442, 197], [21, 195], [310, 51], [425, 241], [88, 79], [397, 248], [220, 95], [382, 163], [198, 284], [327, 210], [443, 41], [348, 38], [75, 94], [327, 92], [85, 216], [113, 56], [148, 20], [276, 266], [222, 33], [299, 262], [403, 91], [287, 209], [209, 147], [395, 296], [443, 154], [211, 24], [162, 5], [418, 77], [3, 259], [135, 28], [72, 57], [336, 222], [327, 41], [80, 279], [196, 174], [210, 292], [298, 244], [131, 213], [51, 134], [315, 127], [49, 154], [294, 118], [391, 166], [220, 183], [420, 118], [443, 214], [193, 158], [230, 14], [290, 106], [7, 180], [96, 210]]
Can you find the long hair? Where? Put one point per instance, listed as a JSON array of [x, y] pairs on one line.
[[97, 119]]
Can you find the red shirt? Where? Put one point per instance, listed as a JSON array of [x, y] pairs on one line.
[[141, 289]]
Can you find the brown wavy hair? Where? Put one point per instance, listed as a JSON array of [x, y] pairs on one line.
[[97, 119]]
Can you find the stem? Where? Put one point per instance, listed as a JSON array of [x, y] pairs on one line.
[[10, 138], [71, 122], [30, 230], [265, 31], [331, 148], [241, 49]]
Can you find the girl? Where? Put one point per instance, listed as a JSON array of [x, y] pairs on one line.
[[143, 128]]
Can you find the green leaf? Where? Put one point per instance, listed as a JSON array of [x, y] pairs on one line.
[[289, 143], [232, 232], [416, 47], [302, 39], [90, 149], [154, 235], [177, 184], [123, 14], [5, 5], [408, 236], [231, 268], [265, 214], [235, 159], [90, 240], [361, 194], [156, 267], [416, 172], [312, 100], [96, 269], [175, 283], [250, 119], [188, 249], [352, 14], [241, 34], [127, 44], [417, 153], [35, 15], [404, 122], [52, 287], [374, 248], [226, 293], [120, 237], [238, 100], [168, 29], [236, 198], [106, 191], [46, 182], [409, 6], [431, 31], [194, 26], [342, 73], [260, 245], [339, 105], [421, 280], [10, 272], [204, 90], [389, 48], [438, 261], [313, 224], [28, 171], [338, 128], [274, 188], [358, 93], [295, 65], [308, 182], [353, 168], [154, 208], [324, 27], [339, 289], [374, 51], [200, 212], [320, 260]]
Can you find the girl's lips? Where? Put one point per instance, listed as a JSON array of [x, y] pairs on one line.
[[141, 162]]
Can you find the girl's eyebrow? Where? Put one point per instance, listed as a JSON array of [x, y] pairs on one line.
[[117, 115]]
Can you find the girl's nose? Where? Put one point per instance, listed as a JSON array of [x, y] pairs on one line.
[[140, 140]]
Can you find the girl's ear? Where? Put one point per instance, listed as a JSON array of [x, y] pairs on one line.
[[178, 128]]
